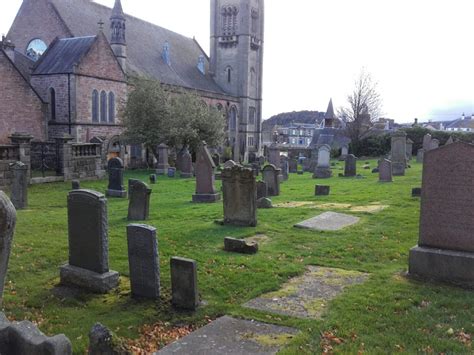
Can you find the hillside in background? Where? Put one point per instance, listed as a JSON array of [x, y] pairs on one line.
[[296, 117]]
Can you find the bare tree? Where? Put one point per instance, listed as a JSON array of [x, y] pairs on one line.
[[364, 106]]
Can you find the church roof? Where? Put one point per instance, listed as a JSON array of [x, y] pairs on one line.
[[144, 45], [330, 115], [63, 54]]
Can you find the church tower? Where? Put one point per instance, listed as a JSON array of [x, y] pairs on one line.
[[117, 37], [237, 37]]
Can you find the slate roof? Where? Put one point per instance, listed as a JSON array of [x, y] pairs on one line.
[[24, 65], [63, 54], [466, 123], [144, 45]]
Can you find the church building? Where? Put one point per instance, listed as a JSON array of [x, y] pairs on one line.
[[70, 62]]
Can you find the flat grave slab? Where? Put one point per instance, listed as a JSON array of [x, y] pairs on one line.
[[228, 335], [328, 221], [371, 208], [307, 296]]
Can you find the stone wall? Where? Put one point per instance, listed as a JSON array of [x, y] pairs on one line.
[[82, 161]]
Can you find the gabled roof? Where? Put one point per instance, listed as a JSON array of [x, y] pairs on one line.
[[24, 64], [144, 45], [63, 55]]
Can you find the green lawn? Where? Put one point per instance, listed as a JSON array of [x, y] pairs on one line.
[[388, 313]]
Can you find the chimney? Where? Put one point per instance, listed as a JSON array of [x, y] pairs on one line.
[[8, 47], [165, 54]]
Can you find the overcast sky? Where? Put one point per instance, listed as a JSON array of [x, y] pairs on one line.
[[420, 51]]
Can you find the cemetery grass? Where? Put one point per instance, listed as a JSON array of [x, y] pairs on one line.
[[387, 313]]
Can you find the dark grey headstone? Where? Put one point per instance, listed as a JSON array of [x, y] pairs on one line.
[[7, 229], [143, 261], [185, 163], [116, 187], [322, 190], [139, 203], [416, 192], [293, 166], [102, 341], [19, 194], [205, 179], [240, 246], [184, 286], [153, 179], [350, 168], [270, 176], [76, 185], [262, 190]]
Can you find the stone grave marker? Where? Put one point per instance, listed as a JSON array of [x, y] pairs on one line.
[[143, 259], [75, 185], [240, 196], [153, 179], [344, 152], [186, 165], [445, 250], [171, 172], [216, 158], [116, 187], [88, 243], [385, 170], [7, 229], [409, 149], [274, 155], [419, 155], [450, 140], [427, 142], [328, 221], [262, 190], [293, 166], [350, 167], [322, 190], [184, 287], [162, 167], [323, 169], [416, 192], [434, 144], [398, 153], [205, 179], [19, 190], [139, 203], [264, 203], [240, 246], [229, 164], [284, 169], [270, 176]]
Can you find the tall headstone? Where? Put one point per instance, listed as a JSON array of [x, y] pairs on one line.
[[284, 168], [420, 155], [262, 190], [143, 260], [434, 144], [399, 153], [162, 167], [88, 243], [385, 170], [240, 196], [186, 164], [323, 168], [19, 193], [409, 149], [205, 189], [7, 229], [270, 176], [116, 187], [344, 152], [139, 200], [274, 155], [293, 166], [427, 142], [184, 284], [445, 248], [153, 179], [350, 167]]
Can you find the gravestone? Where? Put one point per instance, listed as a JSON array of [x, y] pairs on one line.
[[293, 166], [350, 168], [385, 170], [139, 204], [240, 246], [427, 142], [7, 229], [264, 203], [261, 160], [434, 144], [171, 172], [416, 192], [322, 190], [162, 167], [88, 243], [398, 153], [420, 155], [186, 165], [270, 176], [76, 185], [450, 140], [143, 261], [445, 250], [205, 190], [240, 196], [116, 187], [216, 158], [229, 164], [323, 169], [409, 148], [262, 190], [153, 179], [274, 155], [284, 169], [328, 221], [184, 288], [19, 190], [344, 152]]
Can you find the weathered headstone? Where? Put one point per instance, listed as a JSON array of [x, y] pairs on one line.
[[153, 179], [76, 185], [217, 159], [398, 153], [274, 155], [102, 341], [240, 246], [162, 167], [409, 149], [416, 192], [240, 196], [139, 204], [434, 144], [427, 142], [184, 287], [19, 193], [322, 190], [420, 155], [385, 170], [270, 176], [344, 152], [7, 229], [143, 261], [284, 169], [261, 160], [171, 172], [88, 243], [186, 165], [350, 167], [264, 203], [323, 169], [205, 189], [307, 165], [293, 166], [116, 187], [262, 190], [445, 248], [229, 164], [450, 140]]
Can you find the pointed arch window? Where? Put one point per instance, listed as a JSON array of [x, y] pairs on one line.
[[95, 106], [111, 107], [52, 103], [103, 106], [252, 114], [229, 74], [233, 118]]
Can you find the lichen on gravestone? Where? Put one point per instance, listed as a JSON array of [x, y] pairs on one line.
[[7, 228]]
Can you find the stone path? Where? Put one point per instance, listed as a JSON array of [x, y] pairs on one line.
[[328, 221], [228, 335], [307, 296]]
